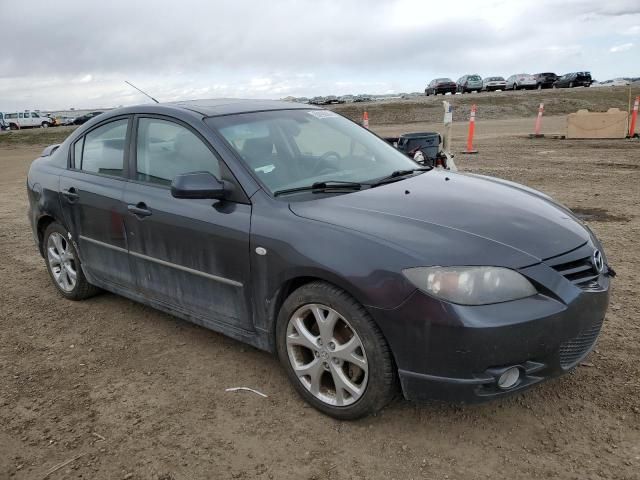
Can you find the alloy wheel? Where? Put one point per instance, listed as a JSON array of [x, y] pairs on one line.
[[62, 262], [327, 355]]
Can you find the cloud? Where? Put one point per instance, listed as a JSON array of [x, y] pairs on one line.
[[621, 48], [77, 53]]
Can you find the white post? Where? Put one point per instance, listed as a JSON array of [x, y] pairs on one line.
[[448, 121]]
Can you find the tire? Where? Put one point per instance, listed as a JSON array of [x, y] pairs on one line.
[[515, 87], [539, 86], [45, 125], [570, 84], [13, 126], [61, 258], [299, 342]]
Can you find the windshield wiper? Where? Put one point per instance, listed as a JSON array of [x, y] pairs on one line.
[[398, 174], [322, 187]]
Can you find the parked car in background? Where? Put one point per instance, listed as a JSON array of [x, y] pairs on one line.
[[85, 118], [27, 119], [521, 81], [65, 120], [491, 84], [362, 98], [3, 125], [545, 80], [317, 101], [332, 100], [346, 98], [440, 85], [575, 79], [616, 82], [469, 83]]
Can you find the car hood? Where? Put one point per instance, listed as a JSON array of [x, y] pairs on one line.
[[448, 218]]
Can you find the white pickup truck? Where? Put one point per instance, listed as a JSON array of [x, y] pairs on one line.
[[27, 119]]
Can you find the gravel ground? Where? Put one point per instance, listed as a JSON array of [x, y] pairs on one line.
[[127, 392]]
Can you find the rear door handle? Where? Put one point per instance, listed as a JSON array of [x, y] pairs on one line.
[[139, 210], [71, 195]]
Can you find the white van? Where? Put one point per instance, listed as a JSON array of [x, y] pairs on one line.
[[27, 119]]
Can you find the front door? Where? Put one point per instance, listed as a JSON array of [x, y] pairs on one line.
[[189, 254], [91, 194]]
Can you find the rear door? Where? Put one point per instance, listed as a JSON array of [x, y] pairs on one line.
[[91, 192], [190, 254]]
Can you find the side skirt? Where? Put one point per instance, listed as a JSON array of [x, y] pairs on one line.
[[258, 339]]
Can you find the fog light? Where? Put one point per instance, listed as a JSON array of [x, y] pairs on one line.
[[509, 378]]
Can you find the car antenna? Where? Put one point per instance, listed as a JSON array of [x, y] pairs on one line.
[[141, 91]]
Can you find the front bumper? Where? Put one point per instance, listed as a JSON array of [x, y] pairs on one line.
[[455, 353]]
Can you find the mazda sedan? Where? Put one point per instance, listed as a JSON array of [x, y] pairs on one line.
[[295, 230]]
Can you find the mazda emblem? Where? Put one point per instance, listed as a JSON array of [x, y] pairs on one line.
[[598, 262]]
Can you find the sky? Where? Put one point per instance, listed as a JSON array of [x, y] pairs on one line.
[[77, 53]]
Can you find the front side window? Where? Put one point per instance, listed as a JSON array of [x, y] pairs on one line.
[[34, 115], [103, 150], [296, 148], [166, 149]]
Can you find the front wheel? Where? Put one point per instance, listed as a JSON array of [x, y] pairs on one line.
[[45, 125], [334, 353], [63, 264]]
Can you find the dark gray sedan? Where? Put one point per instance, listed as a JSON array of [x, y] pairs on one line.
[[295, 230]]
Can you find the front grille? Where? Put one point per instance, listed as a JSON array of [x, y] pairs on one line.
[[575, 349], [581, 272], [577, 266]]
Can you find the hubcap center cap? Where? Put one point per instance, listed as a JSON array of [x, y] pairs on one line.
[[324, 354]]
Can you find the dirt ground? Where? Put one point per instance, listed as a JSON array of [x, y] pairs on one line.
[[127, 392]]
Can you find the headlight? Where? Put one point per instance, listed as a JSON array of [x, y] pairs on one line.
[[471, 285]]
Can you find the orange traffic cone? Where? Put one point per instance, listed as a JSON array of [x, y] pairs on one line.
[[365, 120], [472, 128], [634, 118]]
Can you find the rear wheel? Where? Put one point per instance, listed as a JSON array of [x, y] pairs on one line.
[[64, 264], [334, 353], [45, 125]]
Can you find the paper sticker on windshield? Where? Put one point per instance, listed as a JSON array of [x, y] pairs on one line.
[[323, 113]]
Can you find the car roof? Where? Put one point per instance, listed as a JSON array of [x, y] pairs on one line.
[[229, 106]]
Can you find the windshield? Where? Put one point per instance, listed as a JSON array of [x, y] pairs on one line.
[[296, 148], [474, 78]]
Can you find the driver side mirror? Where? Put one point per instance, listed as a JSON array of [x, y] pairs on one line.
[[197, 185]]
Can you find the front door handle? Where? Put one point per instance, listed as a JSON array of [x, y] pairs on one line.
[[71, 195], [139, 210]]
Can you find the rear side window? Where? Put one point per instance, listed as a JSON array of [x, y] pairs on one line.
[[103, 150], [165, 149]]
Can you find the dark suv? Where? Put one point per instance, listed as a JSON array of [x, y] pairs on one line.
[[545, 80], [575, 79]]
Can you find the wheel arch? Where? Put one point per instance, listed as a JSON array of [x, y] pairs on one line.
[[43, 223], [293, 282]]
